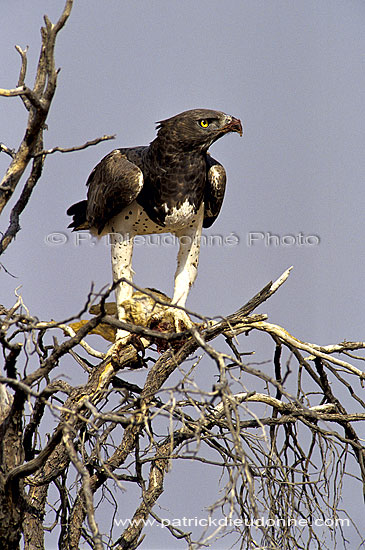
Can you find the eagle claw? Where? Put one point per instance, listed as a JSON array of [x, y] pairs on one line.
[[117, 351], [181, 320]]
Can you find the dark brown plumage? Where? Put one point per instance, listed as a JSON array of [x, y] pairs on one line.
[[176, 167]]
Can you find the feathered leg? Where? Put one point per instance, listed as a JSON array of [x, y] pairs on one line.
[[121, 252], [187, 268]]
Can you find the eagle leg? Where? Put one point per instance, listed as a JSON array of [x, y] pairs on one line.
[[121, 253], [187, 268]]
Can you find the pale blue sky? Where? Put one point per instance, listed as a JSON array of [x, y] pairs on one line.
[[292, 71]]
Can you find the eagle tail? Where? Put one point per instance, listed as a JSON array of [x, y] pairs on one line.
[[78, 213]]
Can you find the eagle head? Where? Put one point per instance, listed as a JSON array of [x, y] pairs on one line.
[[196, 128]]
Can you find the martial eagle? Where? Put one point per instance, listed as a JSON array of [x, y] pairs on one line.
[[173, 185]]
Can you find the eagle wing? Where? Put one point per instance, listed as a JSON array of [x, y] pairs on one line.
[[214, 190], [113, 184]]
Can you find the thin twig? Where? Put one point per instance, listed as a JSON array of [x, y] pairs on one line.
[[7, 150], [95, 141]]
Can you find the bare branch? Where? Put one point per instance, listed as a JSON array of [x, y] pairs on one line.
[[14, 226], [76, 148], [313, 349], [23, 91], [64, 16], [88, 499], [7, 150], [23, 69], [39, 98]]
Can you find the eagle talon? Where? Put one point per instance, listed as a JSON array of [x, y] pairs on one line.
[[181, 320], [117, 351], [136, 342]]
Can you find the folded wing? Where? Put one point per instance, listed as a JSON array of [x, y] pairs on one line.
[[113, 184], [214, 191]]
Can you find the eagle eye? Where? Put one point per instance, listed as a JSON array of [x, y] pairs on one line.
[[204, 123]]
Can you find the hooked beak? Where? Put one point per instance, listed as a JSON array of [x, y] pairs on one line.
[[233, 125]]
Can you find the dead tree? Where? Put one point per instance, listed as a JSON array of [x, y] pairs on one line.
[[280, 435], [37, 101]]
